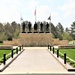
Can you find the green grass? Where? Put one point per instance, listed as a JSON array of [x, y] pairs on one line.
[[8, 54], [4, 52], [70, 53], [1, 43]]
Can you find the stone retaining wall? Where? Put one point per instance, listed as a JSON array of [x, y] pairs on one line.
[[6, 47], [35, 39], [60, 42]]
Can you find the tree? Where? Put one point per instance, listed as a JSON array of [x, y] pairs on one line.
[[66, 36], [53, 30], [73, 30], [59, 30], [15, 29], [14, 26], [1, 27], [8, 30], [3, 36]]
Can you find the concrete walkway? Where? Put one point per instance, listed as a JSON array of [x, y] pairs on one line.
[[35, 60]]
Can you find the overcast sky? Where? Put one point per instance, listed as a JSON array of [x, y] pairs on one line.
[[62, 11]]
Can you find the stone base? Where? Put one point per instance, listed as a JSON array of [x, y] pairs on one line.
[[35, 39]]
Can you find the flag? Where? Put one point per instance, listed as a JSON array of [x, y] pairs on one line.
[[49, 18], [21, 18], [35, 12]]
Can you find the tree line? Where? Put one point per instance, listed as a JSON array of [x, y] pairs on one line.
[[8, 31]]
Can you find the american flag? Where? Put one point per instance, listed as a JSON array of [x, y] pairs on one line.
[[35, 12]]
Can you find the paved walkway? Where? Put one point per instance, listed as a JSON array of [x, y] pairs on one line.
[[35, 60]]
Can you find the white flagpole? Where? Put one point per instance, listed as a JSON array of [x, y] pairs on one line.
[[50, 23], [35, 14], [21, 23]]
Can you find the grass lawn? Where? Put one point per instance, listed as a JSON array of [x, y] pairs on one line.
[[2, 52], [70, 53], [1, 43]]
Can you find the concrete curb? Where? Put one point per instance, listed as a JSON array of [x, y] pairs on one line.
[[61, 61], [12, 59]]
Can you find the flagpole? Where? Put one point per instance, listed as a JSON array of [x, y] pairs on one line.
[[21, 19], [35, 18], [35, 13], [50, 23]]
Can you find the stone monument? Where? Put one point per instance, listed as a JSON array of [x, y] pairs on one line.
[[35, 38]]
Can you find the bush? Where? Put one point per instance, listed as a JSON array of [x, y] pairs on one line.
[[71, 63], [67, 60], [1, 41], [9, 39]]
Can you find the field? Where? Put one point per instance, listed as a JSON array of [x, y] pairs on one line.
[[70, 53]]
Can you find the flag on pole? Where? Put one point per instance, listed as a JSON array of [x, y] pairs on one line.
[[35, 12], [49, 18], [21, 18]]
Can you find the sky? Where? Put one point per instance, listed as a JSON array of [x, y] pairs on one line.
[[62, 11]]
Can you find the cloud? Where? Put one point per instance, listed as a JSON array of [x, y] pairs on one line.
[[69, 9], [43, 12], [9, 10], [55, 18]]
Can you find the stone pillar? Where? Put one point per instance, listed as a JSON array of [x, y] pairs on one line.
[[21, 28]]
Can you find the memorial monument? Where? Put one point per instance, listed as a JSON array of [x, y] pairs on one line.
[[35, 37]]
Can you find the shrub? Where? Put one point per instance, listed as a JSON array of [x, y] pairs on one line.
[[71, 63], [1, 41]]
